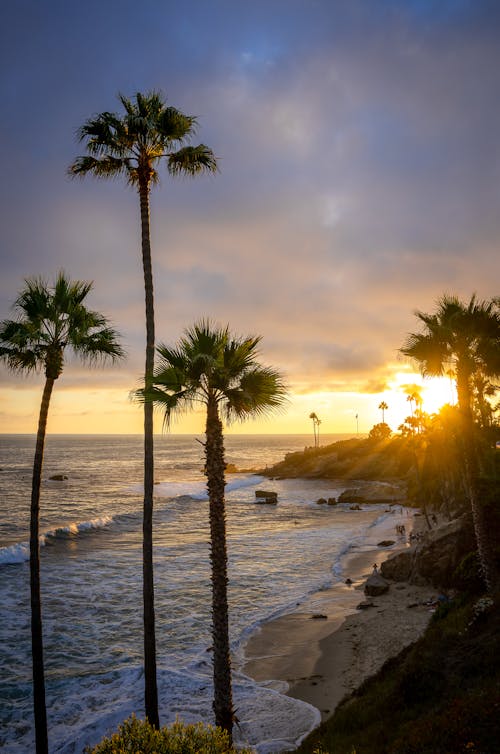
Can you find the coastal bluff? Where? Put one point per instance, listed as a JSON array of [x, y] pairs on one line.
[[359, 459]]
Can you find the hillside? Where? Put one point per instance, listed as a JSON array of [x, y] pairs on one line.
[[387, 459]]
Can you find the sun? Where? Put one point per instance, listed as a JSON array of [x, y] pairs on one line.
[[436, 392]]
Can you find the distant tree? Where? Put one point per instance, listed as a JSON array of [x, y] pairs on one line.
[[380, 432], [132, 145], [50, 320], [211, 367], [464, 338], [383, 407], [409, 426], [316, 422]]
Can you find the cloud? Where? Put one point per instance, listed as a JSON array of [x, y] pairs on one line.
[[358, 172]]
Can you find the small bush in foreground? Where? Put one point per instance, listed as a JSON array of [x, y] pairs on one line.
[[139, 737]]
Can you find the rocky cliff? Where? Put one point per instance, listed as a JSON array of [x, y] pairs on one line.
[[436, 557]]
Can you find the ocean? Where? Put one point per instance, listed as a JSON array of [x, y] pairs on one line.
[[91, 577]]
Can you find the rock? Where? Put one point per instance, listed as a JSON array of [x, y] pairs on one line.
[[386, 543], [373, 492], [332, 501], [321, 501], [348, 582], [364, 605], [319, 616], [434, 559], [351, 496], [355, 507], [376, 585], [58, 478], [266, 496]]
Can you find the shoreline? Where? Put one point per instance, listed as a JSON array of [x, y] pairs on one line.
[[327, 648]]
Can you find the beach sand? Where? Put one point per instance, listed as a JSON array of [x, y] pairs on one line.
[[322, 655]]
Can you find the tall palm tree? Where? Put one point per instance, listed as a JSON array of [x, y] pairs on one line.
[[132, 145], [211, 367], [465, 338], [49, 321], [383, 407]]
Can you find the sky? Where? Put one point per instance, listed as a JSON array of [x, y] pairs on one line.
[[359, 181]]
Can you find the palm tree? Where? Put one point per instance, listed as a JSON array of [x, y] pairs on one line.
[[132, 145], [458, 338], [316, 422], [464, 338], [211, 367], [49, 321], [383, 407]]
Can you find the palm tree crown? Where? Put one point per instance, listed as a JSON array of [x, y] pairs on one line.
[[133, 144], [51, 320], [209, 365], [464, 338]]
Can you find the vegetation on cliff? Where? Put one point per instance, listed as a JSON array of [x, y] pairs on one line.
[[389, 458]]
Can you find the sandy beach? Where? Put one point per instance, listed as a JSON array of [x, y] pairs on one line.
[[329, 647]]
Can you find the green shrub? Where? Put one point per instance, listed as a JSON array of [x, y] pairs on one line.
[[139, 737]]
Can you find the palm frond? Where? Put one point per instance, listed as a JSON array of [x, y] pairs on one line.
[[174, 127], [259, 391], [191, 161], [104, 167]]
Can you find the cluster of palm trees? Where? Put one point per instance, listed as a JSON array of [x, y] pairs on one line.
[[208, 365], [463, 338]]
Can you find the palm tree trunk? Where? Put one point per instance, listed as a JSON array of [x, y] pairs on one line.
[[42, 745], [214, 450], [485, 548], [150, 683]]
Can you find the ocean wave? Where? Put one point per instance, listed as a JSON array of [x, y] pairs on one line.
[[20, 552], [198, 490]]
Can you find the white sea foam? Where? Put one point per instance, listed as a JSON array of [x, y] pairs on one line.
[[17, 553], [268, 721], [20, 552], [198, 489]]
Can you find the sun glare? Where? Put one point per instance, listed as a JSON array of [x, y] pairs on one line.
[[436, 392]]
